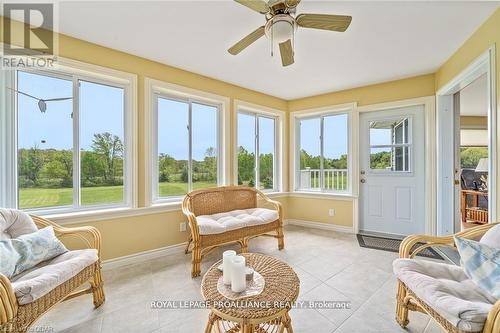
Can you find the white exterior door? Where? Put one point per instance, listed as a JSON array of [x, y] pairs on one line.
[[392, 171]]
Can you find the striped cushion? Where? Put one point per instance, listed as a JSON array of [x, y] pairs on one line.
[[481, 264]]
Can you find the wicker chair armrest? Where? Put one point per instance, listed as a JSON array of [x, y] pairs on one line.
[[89, 235], [193, 224], [8, 301], [493, 320], [277, 205], [406, 249]]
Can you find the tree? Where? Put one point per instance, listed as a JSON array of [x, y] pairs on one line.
[[31, 163], [470, 156], [109, 148], [246, 165]]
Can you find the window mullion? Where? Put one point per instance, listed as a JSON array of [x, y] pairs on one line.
[[257, 155], [76, 142], [321, 158], [190, 157]]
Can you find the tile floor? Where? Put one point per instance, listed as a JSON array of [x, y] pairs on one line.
[[330, 265]]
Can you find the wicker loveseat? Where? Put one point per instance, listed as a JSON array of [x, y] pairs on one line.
[[229, 214], [441, 290], [27, 296]]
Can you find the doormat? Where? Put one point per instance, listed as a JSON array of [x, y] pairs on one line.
[[392, 245]]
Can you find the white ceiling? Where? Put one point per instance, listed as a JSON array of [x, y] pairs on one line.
[[386, 40], [474, 98]]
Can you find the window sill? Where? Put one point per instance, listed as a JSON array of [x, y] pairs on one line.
[[110, 214], [323, 195]]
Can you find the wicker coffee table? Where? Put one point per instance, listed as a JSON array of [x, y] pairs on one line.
[[266, 312]]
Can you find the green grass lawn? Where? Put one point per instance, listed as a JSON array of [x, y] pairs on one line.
[[51, 197]]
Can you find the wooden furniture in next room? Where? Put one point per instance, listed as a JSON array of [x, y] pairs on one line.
[[473, 213]]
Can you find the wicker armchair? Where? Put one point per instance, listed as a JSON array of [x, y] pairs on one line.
[[19, 318], [406, 298], [225, 199]]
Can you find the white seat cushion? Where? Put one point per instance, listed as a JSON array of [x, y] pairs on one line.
[[447, 290], [38, 281], [235, 219]]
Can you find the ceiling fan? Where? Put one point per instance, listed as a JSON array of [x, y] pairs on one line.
[[42, 103], [281, 24]]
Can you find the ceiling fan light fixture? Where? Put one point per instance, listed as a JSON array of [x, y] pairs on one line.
[[282, 31]]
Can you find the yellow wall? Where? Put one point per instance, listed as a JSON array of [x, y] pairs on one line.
[[419, 86], [133, 234], [474, 122], [316, 210]]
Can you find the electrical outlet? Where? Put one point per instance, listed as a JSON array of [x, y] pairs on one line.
[[182, 226], [331, 212]]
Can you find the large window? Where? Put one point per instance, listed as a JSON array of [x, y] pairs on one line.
[[322, 153], [71, 147], [187, 154], [257, 151]]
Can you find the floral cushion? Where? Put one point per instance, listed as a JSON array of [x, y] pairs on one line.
[[26, 251]]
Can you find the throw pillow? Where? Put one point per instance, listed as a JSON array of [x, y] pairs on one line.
[[26, 251], [481, 264]]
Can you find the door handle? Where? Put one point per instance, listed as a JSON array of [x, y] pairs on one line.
[[363, 181], [456, 182]]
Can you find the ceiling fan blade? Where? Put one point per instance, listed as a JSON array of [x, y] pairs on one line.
[[323, 21], [57, 99], [292, 3], [257, 5], [286, 51], [246, 41]]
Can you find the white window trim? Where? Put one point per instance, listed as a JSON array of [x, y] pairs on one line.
[[348, 108], [152, 87], [92, 73], [278, 116]]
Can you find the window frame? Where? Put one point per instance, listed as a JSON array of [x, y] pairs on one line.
[[156, 198], [257, 115], [279, 136], [321, 113], [152, 87], [408, 145], [74, 71]]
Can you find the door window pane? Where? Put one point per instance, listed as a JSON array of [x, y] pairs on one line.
[[246, 149], [389, 145], [45, 141], [310, 150], [173, 147], [204, 132], [101, 143], [335, 149], [266, 153]]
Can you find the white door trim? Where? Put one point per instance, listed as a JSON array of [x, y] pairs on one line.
[[485, 63], [430, 153]]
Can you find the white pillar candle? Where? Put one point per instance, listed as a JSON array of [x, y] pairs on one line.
[[227, 265], [238, 274]]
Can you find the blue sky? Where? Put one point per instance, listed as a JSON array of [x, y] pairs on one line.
[[173, 135], [246, 133], [335, 136], [101, 110]]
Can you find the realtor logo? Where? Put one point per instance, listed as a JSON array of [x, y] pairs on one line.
[[36, 36]]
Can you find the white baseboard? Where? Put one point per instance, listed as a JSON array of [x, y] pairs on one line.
[[320, 225], [143, 256], [179, 248]]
